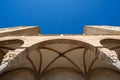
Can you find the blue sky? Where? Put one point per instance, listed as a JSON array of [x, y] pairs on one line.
[[59, 16]]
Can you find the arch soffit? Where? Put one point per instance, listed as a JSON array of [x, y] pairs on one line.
[[41, 44]]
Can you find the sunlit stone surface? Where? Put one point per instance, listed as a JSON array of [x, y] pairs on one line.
[[26, 54]]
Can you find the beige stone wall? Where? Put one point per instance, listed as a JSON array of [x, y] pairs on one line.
[[20, 31], [59, 57], [102, 30]]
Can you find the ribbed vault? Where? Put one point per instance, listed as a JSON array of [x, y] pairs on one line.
[[62, 59]]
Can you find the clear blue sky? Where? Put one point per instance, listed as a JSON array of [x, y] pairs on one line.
[[59, 16]]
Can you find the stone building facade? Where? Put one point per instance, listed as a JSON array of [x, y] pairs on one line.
[[26, 54]]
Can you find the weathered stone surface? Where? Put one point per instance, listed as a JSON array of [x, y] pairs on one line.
[[24, 54], [20, 31], [102, 30]]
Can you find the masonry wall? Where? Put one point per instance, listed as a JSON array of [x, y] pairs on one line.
[[20, 31], [102, 30]]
